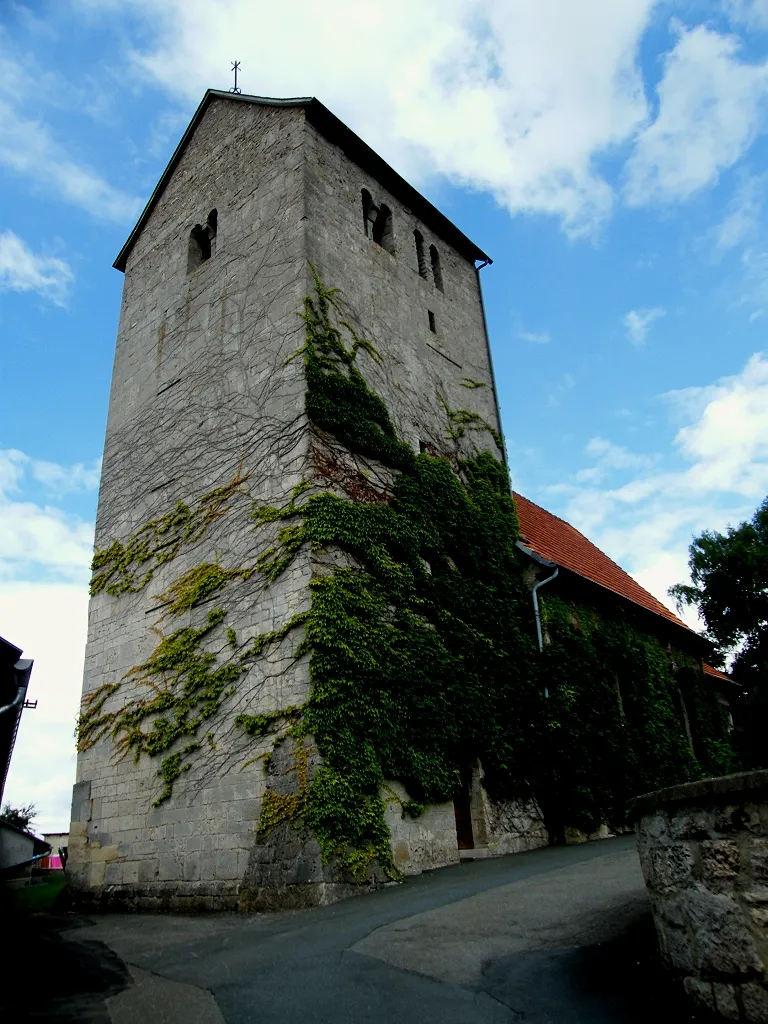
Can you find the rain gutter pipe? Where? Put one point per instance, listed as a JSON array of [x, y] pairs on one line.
[[22, 670], [16, 701], [535, 593]]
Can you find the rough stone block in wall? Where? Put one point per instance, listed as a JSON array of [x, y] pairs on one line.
[[422, 843], [513, 826], [703, 851], [384, 295]]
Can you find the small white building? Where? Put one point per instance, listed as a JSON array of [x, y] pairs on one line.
[[18, 849]]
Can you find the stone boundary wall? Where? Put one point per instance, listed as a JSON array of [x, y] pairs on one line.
[[500, 827], [423, 843], [704, 853]]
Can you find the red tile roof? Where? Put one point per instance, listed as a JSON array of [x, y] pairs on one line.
[[709, 671], [561, 543]]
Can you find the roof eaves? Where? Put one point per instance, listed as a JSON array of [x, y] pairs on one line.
[[532, 553], [723, 677], [336, 131], [677, 623], [10, 651], [616, 593], [21, 672], [19, 831]]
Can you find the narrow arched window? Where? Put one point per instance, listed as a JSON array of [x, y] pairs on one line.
[[437, 273], [212, 227], [202, 242], [368, 212], [421, 258], [382, 229]]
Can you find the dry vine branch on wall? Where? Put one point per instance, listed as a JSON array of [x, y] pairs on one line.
[[419, 636]]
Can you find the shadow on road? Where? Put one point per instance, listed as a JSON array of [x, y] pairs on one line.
[[48, 977], [617, 982]]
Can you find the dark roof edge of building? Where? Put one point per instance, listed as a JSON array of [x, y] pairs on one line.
[[690, 633], [23, 831], [21, 672], [337, 132], [523, 545], [12, 652]]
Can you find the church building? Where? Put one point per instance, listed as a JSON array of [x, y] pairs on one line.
[[297, 628]]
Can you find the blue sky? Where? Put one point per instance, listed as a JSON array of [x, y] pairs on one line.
[[612, 158]]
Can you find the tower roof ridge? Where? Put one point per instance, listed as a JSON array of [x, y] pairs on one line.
[[334, 129]]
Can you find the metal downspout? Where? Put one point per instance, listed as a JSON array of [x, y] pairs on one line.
[[535, 593], [536, 611], [22, 670]]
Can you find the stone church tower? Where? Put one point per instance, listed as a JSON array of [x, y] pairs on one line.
[[190, 669]]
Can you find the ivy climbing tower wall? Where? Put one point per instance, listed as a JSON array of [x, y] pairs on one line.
[[192, 757]]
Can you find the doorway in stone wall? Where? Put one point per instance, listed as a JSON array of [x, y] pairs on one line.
[[469, 812], [462, 809]]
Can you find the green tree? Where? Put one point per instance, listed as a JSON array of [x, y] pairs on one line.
[[19, 817], [729, 586]]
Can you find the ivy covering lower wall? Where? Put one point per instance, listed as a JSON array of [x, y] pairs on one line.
[[422, 647], [616, 715]]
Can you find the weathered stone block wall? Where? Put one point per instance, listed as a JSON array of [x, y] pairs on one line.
[[429, 841], [201, 392], [285, 868], [704, 852], [513, 826], [423, 843], [385, 298]]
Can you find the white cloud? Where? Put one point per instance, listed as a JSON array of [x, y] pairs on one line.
[[519, 99], [513, 97], [609, 457], [48, 621], [752, 287], [566, 383], [535, 337], [522, 100], [751, 13], [711, 107], [728, 445], [42, 539], [12, 469], [741, 220], [22, 271], [638, 321], [28, 148], [63, 479], [647, 522]]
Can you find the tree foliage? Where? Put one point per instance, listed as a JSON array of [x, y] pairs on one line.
[[729, 587], [19, 817]]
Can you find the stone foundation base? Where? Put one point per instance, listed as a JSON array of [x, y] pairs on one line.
[[297, 897], [182, 899], [174, 899]]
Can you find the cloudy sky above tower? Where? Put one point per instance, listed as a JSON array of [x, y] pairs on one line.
[[611, 157]]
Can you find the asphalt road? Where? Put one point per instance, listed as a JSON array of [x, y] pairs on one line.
[[558, 935]]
